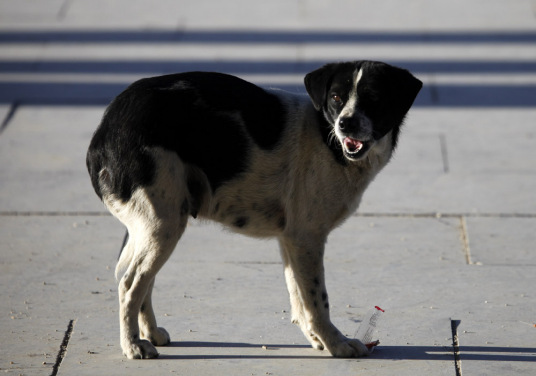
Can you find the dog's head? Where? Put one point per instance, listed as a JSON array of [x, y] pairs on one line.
[[363, 101]]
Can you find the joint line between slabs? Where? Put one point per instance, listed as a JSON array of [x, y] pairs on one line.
[[444, 152], [465, 240], [54, 214], [15, 213], [63, 348], [456, 346], [444, 215]]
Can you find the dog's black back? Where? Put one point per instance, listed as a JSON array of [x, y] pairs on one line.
[[209, 119]]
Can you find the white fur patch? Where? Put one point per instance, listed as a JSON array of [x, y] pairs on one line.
[[350, 106]]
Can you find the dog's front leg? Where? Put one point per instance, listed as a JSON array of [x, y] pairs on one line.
[[296, 304], [304, 273]]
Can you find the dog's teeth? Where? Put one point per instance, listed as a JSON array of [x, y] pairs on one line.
[[352, 146]]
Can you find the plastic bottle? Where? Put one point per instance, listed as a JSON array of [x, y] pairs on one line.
[[367, 329]]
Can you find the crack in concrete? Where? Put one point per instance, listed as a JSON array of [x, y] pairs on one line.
[[63, 348]]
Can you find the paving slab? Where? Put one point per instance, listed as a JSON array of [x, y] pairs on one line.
[[242, 14], [52, 271], [502, 241], [42, 150], [494, 305]]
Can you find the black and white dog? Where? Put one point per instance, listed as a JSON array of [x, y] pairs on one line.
[[265, 163]]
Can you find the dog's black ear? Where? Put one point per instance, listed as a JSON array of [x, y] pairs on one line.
[[406, 87], [317, 82]]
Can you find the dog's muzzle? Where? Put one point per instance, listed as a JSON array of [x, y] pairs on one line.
[[355, 140]]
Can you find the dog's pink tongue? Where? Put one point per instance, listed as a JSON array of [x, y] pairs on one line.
[[352, 145]]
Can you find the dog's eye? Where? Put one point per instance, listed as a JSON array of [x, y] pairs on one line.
[[335, 98]]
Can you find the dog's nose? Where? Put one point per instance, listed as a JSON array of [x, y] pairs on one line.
[[348, 124]]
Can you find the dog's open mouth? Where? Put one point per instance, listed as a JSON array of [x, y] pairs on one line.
[[352, 146], [354, 149]]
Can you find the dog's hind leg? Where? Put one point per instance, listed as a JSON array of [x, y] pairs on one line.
[[147, 322], [156, 217], [153, 246]]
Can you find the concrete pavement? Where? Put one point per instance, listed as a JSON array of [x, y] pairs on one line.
[[443, 241]]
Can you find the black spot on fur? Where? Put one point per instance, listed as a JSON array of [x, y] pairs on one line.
[[241, 222], [315, 303], [316, 281], [312, 292], [142, 308], [324, 296], [326, 306]]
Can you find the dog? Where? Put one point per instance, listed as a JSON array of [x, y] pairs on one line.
[[263, 162]]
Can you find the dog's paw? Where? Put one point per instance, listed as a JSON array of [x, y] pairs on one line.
[[141, 349], [348, 348], [159, 337], [315, 342]]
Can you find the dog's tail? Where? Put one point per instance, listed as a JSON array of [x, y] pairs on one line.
[[125, 256], [96, 171], [103, 172]]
